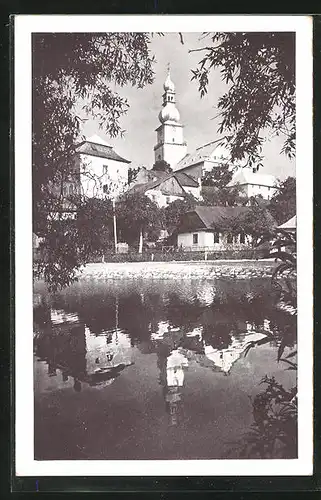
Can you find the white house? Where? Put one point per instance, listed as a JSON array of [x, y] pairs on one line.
[[102, 171], [254, 184], [199, 229]]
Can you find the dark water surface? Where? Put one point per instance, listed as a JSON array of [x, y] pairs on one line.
[[152, 369]]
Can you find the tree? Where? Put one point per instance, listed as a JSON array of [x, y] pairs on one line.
[[254, 221], [174, 211], [69, 242], [218, 177], [74, 71], [138, 215], [132, 174], [283, 203], [162, 166], [259, 70], [95, 221], [229, 197]]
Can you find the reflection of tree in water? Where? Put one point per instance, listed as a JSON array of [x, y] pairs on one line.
[[218, 336], [183, 313], [65, 349]]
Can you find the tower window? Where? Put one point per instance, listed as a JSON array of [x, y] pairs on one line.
[[242, 238], [173, 139], [105, 188]]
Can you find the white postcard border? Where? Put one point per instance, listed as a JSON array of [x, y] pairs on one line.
[[24, 418]]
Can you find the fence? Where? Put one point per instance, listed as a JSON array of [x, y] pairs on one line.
[[169, 256]]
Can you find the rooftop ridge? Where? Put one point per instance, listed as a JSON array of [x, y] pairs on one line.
[[208, 143]]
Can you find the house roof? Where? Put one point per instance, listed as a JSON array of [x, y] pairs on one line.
[[289, 224], [183, 179], [203, 217], [211, 215], [245, 176], [100, 149], [202, 153]]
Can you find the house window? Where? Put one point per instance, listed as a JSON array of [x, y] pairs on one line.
[[195, 239], [105, 188], [105, 169], [229, 239], [216, 237], [168, 199], [173, 139], [242, 238]]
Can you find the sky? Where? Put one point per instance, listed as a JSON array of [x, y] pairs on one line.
[[198, 115]]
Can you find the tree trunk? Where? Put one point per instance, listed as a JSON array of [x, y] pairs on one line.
[[140, 248]]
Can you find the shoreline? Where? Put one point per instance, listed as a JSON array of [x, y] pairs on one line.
[[209, 270]]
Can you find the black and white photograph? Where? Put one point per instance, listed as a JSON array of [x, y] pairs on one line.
[[163, 245]]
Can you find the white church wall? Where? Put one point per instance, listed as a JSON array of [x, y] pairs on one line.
[[100, 175]]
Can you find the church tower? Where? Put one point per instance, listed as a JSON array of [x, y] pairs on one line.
[[170, 146]]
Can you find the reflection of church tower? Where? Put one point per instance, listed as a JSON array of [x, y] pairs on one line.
[[170, 146]]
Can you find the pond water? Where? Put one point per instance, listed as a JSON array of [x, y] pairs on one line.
[[153, 369]]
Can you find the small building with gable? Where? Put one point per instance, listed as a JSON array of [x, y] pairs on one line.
[[253, 184], [168, 188]]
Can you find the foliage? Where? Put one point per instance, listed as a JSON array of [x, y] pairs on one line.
[[70, 71], [173, 212], [255, 221], [63, 251], [259, 70], [218, 177], [273, 433], [282, 276], [95, 222], [162, 166], [230, 197], [132, 174], [135, 213], [283, 203]]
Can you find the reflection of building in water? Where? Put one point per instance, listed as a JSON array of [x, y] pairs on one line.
[[107, 351], [68, 346], [224, 359], [176, 362], [196, 332], [162, 327], [164, 330], [59, 316]]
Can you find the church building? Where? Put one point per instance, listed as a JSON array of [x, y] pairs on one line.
[[170, 146]]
